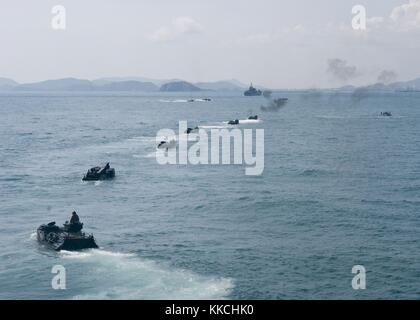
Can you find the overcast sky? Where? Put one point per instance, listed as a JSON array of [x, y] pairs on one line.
[[278, 44]]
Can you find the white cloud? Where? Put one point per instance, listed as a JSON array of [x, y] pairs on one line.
[[185, 25], [180, 26], [298, 28], [403, 18], [161, 34], [407, 16]]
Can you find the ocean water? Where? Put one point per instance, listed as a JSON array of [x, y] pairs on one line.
[[341, 187]]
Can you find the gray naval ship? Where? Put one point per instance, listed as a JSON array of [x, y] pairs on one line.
[[252, 92]]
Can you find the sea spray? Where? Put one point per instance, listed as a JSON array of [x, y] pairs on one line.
[[220, 141], [117, 275]]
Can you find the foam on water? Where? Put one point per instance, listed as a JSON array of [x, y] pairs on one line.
[[173, 101], [243, 121], [249, 121], [223, 125], [116, 275], [201, 100], [91, 253]]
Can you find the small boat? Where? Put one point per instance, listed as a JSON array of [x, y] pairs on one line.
[[98, 173], [253, 117], [207, 99], [233, 122], [191, 100], [386, 114], [69, 237]]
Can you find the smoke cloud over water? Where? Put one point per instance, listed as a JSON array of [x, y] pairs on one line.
[[341, 71], [387, 77], [274, 105]]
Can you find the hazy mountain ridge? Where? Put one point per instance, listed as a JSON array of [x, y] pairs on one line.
[[129, 85], [220, 85], [7, 84], [6, 81], [179, 86], [66, 84], [411, 85], [138, 84], [157, 82]]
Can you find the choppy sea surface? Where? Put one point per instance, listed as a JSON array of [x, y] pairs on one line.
[[341, 187]]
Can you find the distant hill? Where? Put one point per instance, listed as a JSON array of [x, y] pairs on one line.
[[128, 86], [407, 85], [139, 84], [219, 86], [179, 86], [238, 83], [157, 82], [411, 85], [7, 84], [67, 84], [347, 88], [72, 84]]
